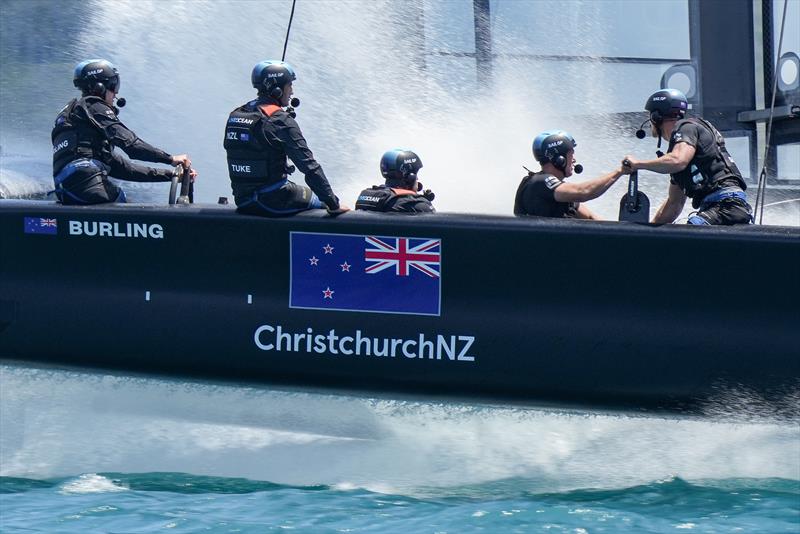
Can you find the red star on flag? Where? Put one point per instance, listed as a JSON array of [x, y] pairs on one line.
[[328, 249], [313, 260], [328, 293], [345, 267]]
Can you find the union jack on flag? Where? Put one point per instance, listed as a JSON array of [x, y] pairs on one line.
[[403, 253]]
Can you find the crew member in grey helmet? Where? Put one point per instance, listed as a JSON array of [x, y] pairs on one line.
[[401, 192], [698, 163], [85, 134]]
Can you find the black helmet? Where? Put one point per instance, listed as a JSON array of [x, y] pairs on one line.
[[666, 104], [270, 76], [399, 164], [96, 76], [553, 147]]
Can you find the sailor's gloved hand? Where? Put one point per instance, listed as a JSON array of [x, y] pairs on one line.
[[183, 160], [429, 195]]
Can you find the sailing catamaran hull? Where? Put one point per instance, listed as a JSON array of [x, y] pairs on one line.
[[540, 312]]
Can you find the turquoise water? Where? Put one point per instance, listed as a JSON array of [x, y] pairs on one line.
[[114, 502], [94, 452]]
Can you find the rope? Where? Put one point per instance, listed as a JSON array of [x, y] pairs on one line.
[[762, 177], [289, 28]]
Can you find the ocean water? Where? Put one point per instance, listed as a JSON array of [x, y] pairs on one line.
[[176, 502], [94, 452]]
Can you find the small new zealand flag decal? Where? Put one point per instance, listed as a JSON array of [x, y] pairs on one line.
[[41, 225]]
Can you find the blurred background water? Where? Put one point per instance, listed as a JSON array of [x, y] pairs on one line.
[[371, 76]]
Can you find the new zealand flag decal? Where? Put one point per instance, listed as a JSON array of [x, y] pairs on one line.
[[365, 273], [41, 225]]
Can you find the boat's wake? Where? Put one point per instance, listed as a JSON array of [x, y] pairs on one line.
[[58, 423]]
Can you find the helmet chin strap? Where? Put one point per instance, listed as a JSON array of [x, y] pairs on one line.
[[659, 153]]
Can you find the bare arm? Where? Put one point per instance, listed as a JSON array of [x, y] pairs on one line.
[[585, 213], [671, 162], [672, 206], [583, 191]]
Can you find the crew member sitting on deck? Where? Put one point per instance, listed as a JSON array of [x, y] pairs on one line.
[[259, 136], [85, 134], [401, 193], [698, 164], [546, 194]]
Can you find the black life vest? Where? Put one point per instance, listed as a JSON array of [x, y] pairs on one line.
[[252, 161], [380, 198], [534, 197], [708, 167], [75, 136]]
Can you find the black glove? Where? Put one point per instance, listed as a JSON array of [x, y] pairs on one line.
[[429, 195]]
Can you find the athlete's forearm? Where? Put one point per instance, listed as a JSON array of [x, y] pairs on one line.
[[666, 164]]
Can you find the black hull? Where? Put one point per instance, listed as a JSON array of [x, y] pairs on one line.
[[576, 314]]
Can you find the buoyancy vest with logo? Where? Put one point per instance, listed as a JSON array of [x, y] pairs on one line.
[[78, 135], [710, 165], [535, 197], [252, 161], [384, 198]]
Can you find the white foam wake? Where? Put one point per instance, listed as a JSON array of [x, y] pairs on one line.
[[59, 423]]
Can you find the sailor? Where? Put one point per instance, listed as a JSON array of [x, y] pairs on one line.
[[698, 164], [546, 194], [401, 192], [85, 134], [259, 136]]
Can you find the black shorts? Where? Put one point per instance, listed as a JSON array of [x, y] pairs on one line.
[[725, 212]]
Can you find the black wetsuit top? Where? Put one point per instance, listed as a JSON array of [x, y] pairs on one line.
[[535, 196], [259, 136], [88, 129]]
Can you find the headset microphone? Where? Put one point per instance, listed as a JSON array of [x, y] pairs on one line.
[[640, 132], [293, 103], [578, 168], [121, 102]]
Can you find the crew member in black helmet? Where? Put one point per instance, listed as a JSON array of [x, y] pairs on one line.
[[401, 193], [85, 134], [698, 163], [259, 136], [546, 194]]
